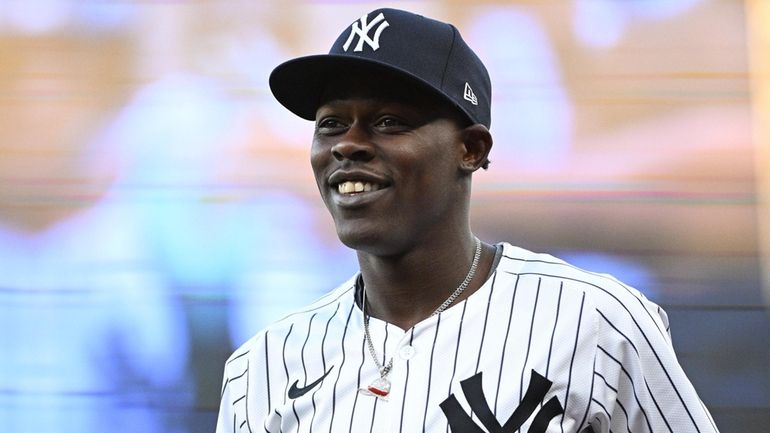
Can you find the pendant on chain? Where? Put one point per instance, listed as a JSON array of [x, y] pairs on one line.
[[380, 388]]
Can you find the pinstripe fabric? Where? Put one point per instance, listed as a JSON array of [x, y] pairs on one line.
[[592, 353]]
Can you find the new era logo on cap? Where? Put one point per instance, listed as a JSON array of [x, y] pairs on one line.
[[363, 32], [469, 96]]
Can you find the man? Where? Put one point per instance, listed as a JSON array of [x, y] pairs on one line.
[[440, 332]]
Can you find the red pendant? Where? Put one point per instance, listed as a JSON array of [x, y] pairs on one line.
[[380, 388], [377, 391]]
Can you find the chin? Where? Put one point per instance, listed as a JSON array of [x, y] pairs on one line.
[[358, 239], [377, 242]]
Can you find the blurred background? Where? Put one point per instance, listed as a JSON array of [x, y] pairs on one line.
[[157, 206]]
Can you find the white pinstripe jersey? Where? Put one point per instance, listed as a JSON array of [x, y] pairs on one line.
[[541, 347]]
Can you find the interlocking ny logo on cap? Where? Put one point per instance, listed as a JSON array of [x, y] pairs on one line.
[[363, 33]]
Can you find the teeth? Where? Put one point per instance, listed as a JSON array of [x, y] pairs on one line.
[[349, 187]]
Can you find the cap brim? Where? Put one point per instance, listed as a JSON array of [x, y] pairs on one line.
[[299, 84]]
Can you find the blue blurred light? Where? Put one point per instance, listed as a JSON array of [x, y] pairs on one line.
[[599, 23], [659, 9], [101, 16], [37, 16], [83, 326], [629, 272], [532, 115], [171, 138], [602, 23]]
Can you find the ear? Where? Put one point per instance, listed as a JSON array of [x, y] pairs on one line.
[[477, 142]]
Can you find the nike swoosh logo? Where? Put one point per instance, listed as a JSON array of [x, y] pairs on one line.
[[295, 392]]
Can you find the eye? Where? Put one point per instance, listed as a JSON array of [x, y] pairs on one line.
[[390, 123], [329, 126]]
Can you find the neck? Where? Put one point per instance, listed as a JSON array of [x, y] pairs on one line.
[[407, 288]]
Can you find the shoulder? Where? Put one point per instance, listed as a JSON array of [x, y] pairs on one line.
[[609, 301], [334, 304]]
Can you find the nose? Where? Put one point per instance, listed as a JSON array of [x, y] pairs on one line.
[[354, 145]]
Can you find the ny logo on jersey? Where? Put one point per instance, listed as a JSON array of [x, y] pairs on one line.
[[363, 33], [460, 421]]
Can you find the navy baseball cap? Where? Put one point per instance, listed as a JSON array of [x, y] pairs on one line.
[[429, 52]]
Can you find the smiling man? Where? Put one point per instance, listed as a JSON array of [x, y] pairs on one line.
[[439, 331]]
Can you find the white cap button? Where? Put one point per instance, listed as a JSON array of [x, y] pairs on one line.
[[407, 352]]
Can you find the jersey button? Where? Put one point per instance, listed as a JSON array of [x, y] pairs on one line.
[[407, 352]]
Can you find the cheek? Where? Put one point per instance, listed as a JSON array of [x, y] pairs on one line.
[[436, 177], [433, 164], [319, 159]]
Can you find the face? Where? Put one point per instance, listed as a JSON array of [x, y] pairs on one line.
[[386, 162]]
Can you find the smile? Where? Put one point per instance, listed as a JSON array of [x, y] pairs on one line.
[[353, 187]]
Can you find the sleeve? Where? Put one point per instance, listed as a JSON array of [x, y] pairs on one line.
[[245, 400], [232, 412], [638, 384]]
